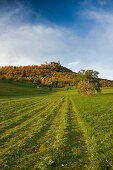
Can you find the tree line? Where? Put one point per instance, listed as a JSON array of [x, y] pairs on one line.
[[50, 75]]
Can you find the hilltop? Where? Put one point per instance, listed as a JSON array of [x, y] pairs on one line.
[[55, 66], [48, 74]]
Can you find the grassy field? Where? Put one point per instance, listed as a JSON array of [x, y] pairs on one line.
[[58, 129]]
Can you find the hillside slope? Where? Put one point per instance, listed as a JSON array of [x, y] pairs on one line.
[[51, 75]]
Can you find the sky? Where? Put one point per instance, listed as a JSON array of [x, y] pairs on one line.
[[79, 33]]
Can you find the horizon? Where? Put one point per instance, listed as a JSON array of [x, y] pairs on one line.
[[50, 63], [78, 33]]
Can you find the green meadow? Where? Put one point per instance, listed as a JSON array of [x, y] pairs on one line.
[[54, 129]]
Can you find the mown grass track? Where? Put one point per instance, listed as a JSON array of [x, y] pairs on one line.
[[63, 146], [42, 133], [26, 117], [14, 135], [24, 113], [9, 109], [57, 130]]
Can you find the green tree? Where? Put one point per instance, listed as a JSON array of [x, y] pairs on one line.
[[89, 82], [88, 75]]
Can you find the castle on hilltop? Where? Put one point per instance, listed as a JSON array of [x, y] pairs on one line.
[[55, 63]]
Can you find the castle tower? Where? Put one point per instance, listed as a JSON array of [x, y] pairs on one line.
[[59, 62]]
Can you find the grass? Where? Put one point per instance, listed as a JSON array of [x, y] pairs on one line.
[[16, 89], [58, 129], [96, 116]]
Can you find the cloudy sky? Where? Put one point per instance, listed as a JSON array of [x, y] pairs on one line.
[[79, 33]]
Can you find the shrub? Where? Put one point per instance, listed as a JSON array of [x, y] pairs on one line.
[[86, 88]]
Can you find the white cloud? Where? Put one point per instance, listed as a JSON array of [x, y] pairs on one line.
[[102, 17], [73, 63], [23, 44]]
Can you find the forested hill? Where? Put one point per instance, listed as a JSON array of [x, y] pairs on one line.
[[51, 75]]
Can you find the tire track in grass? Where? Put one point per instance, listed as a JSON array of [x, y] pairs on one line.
[[74, 145], [20, 111], [13, 131], [55, 142], [63, 146], [69, 151], [25, 126], [23, 116], [45, 124], [12, 112], [11, 104], [16, 104], [42, 155], [9, 101], [15, 153], [11, 128], [72, 153], [9, 112]]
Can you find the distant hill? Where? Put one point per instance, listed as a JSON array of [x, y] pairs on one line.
[[49, 74]]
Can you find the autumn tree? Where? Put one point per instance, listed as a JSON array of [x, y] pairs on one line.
[[52, 75], [67, 87]]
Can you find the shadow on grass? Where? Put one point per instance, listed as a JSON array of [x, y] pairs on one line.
[[46, 125], [19, 122], [70, 154], [15, 154]]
